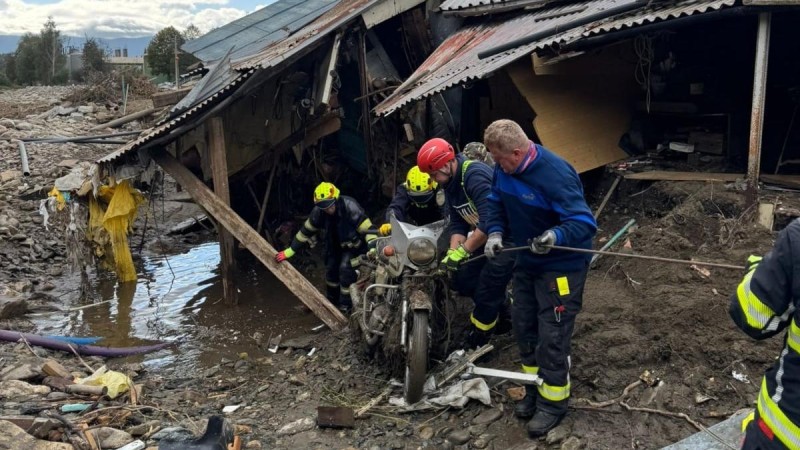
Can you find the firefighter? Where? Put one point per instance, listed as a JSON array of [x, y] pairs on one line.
[[417, 201], [345, 225], [466, 185], [764, 305], [538, 198]]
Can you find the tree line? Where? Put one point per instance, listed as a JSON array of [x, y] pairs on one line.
[[41, 58]]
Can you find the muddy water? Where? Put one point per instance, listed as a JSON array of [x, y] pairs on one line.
[[179, 298]]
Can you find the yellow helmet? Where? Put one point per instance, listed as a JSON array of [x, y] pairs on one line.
[[419, 182], [325, 195]]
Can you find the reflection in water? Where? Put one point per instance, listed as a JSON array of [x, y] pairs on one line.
[[179, 298]]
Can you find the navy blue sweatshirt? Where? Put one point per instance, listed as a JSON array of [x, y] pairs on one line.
[[405, 209], [545, 194], [466, 194]]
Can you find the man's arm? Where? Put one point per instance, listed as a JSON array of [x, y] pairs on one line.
[[577, 222], [398, 205], [309, 229], [496, 219], [762, 304]]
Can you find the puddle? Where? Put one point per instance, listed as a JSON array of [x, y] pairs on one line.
[[179, 298]]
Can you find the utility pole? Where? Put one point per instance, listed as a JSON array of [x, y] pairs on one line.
[[176, 63]]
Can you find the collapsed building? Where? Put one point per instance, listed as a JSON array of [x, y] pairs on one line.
[[346, 91]]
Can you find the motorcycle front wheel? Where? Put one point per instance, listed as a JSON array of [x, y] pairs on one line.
[[417, 357]]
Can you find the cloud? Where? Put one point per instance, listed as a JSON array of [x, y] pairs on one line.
[[115, 18]]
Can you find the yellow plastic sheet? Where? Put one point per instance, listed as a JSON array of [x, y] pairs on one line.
[[60, 200], [118, 220], [116, 382]]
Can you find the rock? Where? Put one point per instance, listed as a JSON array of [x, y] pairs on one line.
[[8, 123], [253, 444], [297, 426], [9, 309], [7, 175], [88, 109], [173, 434], [559, 433], [572, 443], [425, 433], [69, 163], [211, 371], [459, 437], [108, 437], [483, 441], [14, 437], [76, 115], [15, 390], [64, 111], [21, 372], [24, 126], [487, 417]]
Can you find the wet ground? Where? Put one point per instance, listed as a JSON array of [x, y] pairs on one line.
[[178, 298]]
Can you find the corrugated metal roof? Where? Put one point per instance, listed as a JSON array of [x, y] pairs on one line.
[[478, 7], [456, 60], [658, 12], [314, 32], [164, 128], [255, 31]]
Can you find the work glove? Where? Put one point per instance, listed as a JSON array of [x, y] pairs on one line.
[[284, 255], [494, 245], [455, 256], [752, 263], [541, 245], [385, 229]]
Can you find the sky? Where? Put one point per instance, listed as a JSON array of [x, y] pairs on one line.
[[120, 18]]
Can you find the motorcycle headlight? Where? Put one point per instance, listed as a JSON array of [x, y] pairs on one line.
[[421, 251]]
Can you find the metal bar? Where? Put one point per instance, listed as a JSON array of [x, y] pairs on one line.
[[62, 139], [757, 114], [650, 258], [530, 378], [23, 155], [614, 238]]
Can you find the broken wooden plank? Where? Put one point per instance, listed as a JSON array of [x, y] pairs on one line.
[[247, 236], [470, 358], [219, 170], [792, 181], [125, 119], [335, 417], [608, 196], [371, 404], [162, 99], [53, 368]]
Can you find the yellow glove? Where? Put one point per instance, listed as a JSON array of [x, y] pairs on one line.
[[385, 229], [455, 257]]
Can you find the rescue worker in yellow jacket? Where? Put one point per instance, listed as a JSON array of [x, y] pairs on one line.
[[417, 201], [345, 225], [765, 304]]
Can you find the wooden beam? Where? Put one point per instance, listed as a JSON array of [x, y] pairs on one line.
[[219, 173], [125, 119], [757, 112], [251, 240]]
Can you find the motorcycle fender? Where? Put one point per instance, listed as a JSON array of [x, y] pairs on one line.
[[420, 300]]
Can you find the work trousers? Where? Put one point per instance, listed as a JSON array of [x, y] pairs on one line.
[[340, 273], [485, 280], [543, 317], [755, 437]]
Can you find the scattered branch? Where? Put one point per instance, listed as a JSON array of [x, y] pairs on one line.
[[680, 416]]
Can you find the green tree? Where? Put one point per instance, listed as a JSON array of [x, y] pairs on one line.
[[161, 52], [51, 55], [27, 58], [10, 67], [192, 32], [93, 57]]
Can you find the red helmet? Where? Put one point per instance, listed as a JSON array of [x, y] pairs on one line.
[[434, 154]]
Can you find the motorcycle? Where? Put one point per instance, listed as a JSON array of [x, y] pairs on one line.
[[400, 296]]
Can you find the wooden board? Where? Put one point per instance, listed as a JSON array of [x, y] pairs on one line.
[[219, 171], [792, 181], [579, 114], [247, 236]]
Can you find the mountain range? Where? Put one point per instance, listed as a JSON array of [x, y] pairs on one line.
[[135, 46]]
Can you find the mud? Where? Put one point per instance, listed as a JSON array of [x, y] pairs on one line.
[[664, 323]]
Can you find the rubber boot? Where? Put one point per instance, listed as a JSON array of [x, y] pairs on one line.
[[527, 406], [543, 422], [476, 338]]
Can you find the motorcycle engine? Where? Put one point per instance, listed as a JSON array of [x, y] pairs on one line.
[[377, 321]]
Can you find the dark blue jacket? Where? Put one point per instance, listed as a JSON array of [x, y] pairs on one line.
[[547, 194], [466, 194], [407, 210]]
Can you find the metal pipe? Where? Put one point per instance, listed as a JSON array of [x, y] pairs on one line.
[[757, 114], [364, 303], [404, 323], [62, 139], [600, 15], [614, 238], [23, 155]]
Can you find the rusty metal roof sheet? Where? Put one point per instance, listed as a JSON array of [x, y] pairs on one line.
[[165, 127], [313, 33], [456, 60], [479, 7]]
